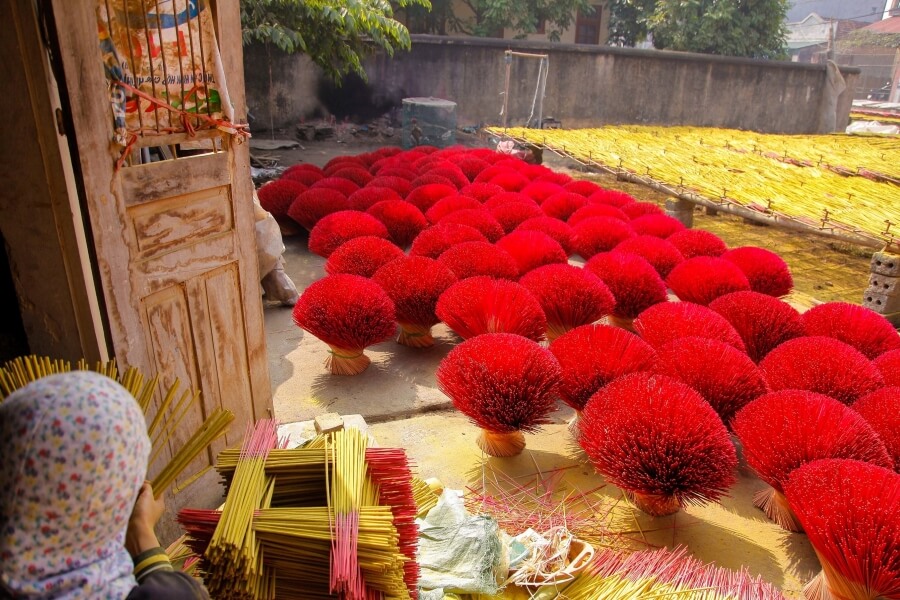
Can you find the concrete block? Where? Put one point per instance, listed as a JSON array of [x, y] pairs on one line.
[[883, 284], [328, 423], [685, 216], [679, 204], [886, 263], [881, 303]]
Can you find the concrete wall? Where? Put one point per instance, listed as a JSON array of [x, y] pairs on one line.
[[587, 86]]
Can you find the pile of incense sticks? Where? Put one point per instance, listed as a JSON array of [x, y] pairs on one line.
[[333, 518]]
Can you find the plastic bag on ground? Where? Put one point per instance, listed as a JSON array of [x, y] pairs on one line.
[[458, 552]]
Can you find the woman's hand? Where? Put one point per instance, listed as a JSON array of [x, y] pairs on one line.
[[140, 537]]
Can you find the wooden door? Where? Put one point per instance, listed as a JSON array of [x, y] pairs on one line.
[[174, 240]]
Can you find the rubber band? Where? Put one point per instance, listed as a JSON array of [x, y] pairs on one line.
[[332, 352]]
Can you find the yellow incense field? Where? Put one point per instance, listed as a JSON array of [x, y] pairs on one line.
[[849, 184]]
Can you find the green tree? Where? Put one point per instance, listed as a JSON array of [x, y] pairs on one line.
[[751, 28], [486, 18], [336, 34], [629, 21]]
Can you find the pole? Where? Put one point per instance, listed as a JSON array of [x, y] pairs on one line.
[[508, 60]]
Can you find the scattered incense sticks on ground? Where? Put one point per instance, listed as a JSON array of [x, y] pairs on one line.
[[662, 574], [545, 500]]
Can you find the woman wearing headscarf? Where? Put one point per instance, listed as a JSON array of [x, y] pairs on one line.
[[74, 451]]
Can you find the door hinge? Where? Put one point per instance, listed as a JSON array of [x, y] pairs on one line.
[[60, 123]]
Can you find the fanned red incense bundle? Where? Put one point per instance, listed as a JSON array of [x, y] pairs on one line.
[[582, 187], [505, 384], [483, 305], [821, 364], [472, 259], [397, 171], [357, 175], [492, 171], [723, 375], [691, 459], [513, 214], [555, 228], [540, 190], [450, 204], [362, 256], [633, 281], [478, 218], [613, 198], [510, 181], [861, 327], [889, 365], [783, 430], [481, 191], [881, 410], [766, 271], [434, 241], [403, 220], [344, 186], [637, 209], [702, 279], [277, 196], [570, 296], [349, 313], [599, 234], [335, 229], [309, 207], [850, 511], [561, 205], [398, 184], [697, 242], [414, 284], [762, 321], [664, 573], [451, 172], [425, 196], [553, 177], [471, 166], [532, 249], [368, 196], [596, 210], [657, 251], [661, 226], [592, 356], [305, 173], [668, 321], [342, 162]]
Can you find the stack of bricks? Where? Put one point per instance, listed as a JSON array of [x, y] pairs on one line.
[[883, 293]]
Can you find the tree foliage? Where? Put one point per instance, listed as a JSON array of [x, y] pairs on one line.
[[336, 34], [486, 18], [629, 21], [750, 28]]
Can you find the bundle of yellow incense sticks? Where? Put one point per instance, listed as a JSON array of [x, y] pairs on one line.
[[163, 420], [335, 518]]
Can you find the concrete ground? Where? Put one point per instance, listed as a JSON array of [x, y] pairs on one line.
[[399, 398]]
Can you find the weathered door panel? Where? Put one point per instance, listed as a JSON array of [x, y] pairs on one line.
[[175, 244]]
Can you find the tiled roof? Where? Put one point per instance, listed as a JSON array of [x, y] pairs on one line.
[[859, 10]]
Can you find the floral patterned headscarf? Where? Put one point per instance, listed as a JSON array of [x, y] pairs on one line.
[[75, 451]]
